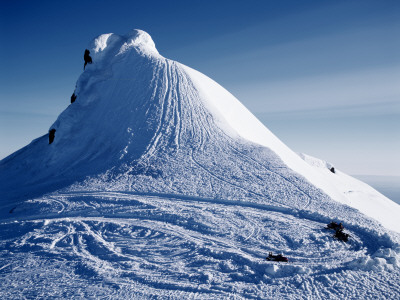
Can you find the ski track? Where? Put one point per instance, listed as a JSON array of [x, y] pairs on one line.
[[212, 247], [275, 173]]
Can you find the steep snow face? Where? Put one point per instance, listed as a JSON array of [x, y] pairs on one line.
[[118, 103], [234, 117], [160, 183]]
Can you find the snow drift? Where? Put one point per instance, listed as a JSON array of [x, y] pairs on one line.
[[157, 169]]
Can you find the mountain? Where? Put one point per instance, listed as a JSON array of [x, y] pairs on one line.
[[160, 183]]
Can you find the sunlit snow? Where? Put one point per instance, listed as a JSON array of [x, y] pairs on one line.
[[160, 183]]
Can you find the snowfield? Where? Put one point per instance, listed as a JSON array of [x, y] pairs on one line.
[[161, 184]]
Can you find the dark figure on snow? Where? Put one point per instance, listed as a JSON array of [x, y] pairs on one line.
[[335, 226], [73, 98], [87, 58], [332, 170], [278, 257], [52, 133], [341, 235]]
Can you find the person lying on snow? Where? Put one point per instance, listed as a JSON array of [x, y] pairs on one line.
[[278, 257]]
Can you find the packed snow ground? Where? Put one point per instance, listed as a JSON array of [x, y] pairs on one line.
[[151, 190], [120, 244]]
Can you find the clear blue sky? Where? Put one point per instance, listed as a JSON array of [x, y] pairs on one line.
[[324, 76]]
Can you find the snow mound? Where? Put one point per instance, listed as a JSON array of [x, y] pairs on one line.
[[284, 270], [140, 40], [316, 162], [137, 40], [385, 259]]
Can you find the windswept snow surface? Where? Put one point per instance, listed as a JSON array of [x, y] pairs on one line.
[[160, 184]]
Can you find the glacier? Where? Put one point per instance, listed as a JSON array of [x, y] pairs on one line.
[[161, 184]]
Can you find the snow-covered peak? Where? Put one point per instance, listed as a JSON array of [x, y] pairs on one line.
[[106, 46], [100, 43], [139, 39], [137, 113]]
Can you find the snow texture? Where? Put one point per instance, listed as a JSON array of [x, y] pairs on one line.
[[161, 184]]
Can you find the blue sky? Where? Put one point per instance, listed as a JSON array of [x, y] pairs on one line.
[[324, 76]]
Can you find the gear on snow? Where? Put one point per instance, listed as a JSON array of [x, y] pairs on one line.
[[335, 226], [339, 233], [278, 257]]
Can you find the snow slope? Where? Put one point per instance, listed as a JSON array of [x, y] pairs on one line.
[[160, 183], [359, 195]]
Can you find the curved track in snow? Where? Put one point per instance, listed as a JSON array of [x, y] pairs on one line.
[[180, 246]]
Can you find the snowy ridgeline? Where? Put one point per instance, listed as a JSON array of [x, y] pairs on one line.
[[159, 183]]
